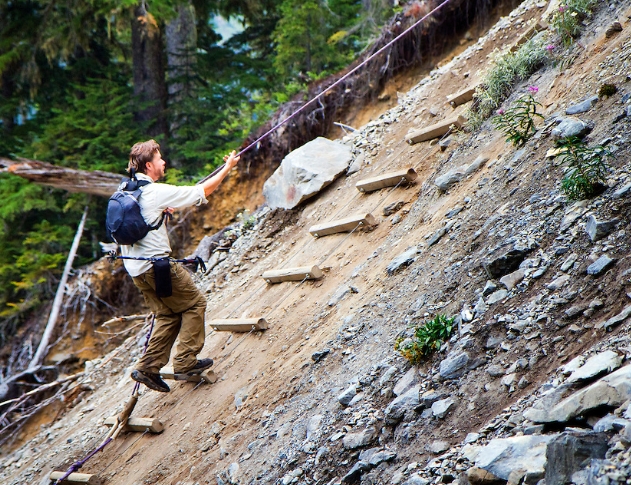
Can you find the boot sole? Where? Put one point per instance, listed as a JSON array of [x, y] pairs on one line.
[[140, 377], [196, 372]]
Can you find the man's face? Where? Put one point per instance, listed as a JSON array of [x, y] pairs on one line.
[[156, 167]]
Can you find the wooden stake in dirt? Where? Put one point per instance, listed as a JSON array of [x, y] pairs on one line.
[[293, 274], [76, 478], [59, 296], [391, 179], [238, 324], [435, 131], [343, 225]]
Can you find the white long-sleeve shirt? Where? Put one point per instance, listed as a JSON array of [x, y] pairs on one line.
[[154, 199]]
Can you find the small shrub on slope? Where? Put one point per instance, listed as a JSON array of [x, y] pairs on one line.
[[427, 338], [518, 121], [568, 18], [587, 168]]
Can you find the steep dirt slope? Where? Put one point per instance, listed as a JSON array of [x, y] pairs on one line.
[[274, 415]]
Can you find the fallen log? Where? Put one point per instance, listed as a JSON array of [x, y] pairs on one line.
[[94, 182]]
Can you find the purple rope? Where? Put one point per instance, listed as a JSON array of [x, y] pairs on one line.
[[336, 83], [78, 464]]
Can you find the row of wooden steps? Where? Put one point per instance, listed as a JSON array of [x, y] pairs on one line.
[[75, 478], [391, 179], [343, 225], [461, 97], [293, 274]]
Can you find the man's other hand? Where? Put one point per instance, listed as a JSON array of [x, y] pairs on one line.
[[231, 160]]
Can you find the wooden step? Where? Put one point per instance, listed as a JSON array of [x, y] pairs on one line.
[[293, 274], [529, 34], [238, 324], [435, 131], [75, 478], [342, 225], [461, 97], [152, 425], [207, 376], [386, 180]]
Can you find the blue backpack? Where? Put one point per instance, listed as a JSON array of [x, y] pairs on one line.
[[123, 221]]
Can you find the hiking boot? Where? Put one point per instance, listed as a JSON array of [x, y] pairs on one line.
[[200, 366], [151, 380]]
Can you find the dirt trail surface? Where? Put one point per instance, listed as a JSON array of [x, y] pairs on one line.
[[275, 415]]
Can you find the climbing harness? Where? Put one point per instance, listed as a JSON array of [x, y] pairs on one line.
[[197, 262]]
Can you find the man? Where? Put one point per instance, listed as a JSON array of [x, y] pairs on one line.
[[181, 314]]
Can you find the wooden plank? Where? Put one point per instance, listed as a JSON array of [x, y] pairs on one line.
[[435, 131], [207, 376], [343, 225], [529, 34], [238, 324], [461, 97], [386, 180], [293, 274], [153, 425], [76, 478]]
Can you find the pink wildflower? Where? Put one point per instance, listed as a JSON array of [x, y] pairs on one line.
[[550, 47], [562, 9], [533, 89], [500, 111]]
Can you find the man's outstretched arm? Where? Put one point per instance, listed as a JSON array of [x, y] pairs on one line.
[[212, 183]]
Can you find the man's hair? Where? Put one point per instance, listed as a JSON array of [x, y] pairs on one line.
[[140, 154]]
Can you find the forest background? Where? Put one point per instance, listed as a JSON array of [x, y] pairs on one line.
[[83, 80]]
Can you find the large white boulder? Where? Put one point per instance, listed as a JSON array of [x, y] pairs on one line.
[[306, 171]]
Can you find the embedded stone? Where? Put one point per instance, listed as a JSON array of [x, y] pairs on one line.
[[511, 280], [597, 230], [582, 107], [601, 265], [571, 126]]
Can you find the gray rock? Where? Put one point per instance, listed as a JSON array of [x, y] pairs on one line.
[[306, 171], [610, 423], [571, 126], [568, 453], [241, 396], [472, 437], [454, 212], [233, 473], [409, 401], [438, 446], [430, 397], [597, 230], [495, 370], [502, 456], [347, 396], [476, 164], [496, 297], [387, 375], [480, 307], [505, 262], [451, 178], [356, 472], [341, 293], [442, 407], [559, 282], [572, 214], [393, 207], [594, 366], [582, 107], [404, 259], [320, 354], [621, 192], [416, 480], [437, 236], [616, 319], [356, 440], [611, 391], [314, 427], [489, 288], [569, 262], [356, 165], [382, 456], [410, 379], [454, 365], [601, 265], [511, 280]]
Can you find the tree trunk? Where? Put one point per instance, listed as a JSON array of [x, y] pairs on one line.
[[148, 67], [99, 183], [181, 49], [42, 349]]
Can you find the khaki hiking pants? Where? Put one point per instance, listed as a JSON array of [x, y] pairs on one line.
[[179, 315]]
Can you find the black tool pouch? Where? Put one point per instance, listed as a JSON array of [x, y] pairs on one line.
[[162, 274]]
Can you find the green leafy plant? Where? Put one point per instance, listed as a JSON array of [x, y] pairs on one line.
[[518, 121], [498, 82], [247, 220], [607, 90], [567, 19], [427, 338], [587, 168]]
